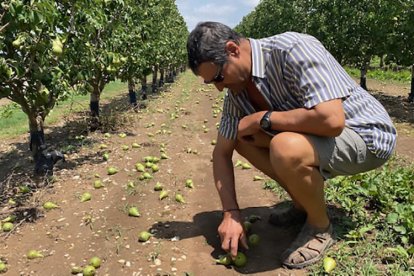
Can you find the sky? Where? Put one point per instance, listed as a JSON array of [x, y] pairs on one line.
[[228, 12]]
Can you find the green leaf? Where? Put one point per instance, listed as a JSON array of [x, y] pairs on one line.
[[400, 229], [392, 218]]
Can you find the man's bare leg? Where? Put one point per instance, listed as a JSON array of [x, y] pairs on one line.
[[295, 163], [256, 151], [292, 161]]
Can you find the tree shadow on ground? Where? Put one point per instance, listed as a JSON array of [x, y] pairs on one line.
[[265, 257], [69, 137], [397, 107]]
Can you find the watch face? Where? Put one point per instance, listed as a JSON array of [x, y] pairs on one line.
[[265, 124]]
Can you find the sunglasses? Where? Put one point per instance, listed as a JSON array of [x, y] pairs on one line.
[[218, 77]]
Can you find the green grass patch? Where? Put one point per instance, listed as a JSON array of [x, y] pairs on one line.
[[13, 121], [376, 227], [402, 76]]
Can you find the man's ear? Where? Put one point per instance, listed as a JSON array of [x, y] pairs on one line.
[[232, 49]]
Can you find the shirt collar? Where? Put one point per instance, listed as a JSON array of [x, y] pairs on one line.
[[258, 61]]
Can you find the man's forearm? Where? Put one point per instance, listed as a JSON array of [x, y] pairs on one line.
[[224, 179]]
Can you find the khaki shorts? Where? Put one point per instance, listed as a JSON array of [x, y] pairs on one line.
[[346, 154]]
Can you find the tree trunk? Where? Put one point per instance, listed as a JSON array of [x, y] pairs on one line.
[[94, 108], [170, 78], [144, 88], [44, 161], [37, 137], [154, 79], [411, 95], [132, 94], [381, 61], [161, 81], [363, 80]]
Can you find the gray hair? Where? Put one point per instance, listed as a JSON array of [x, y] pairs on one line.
[[207, 42]]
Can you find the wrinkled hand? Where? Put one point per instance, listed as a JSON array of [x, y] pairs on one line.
[[249, 126], [231, 232]]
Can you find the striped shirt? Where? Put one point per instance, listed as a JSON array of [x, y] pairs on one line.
[[293, 70]]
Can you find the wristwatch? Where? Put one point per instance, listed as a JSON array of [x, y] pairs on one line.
[[265, 122]]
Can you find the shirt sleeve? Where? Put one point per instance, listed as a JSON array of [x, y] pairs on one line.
[[313, 74], [230, 118]]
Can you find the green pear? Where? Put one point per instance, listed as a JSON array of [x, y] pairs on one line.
[[254, 239], [17, 42], [179, 198], [105, 156], [257, 178], [95, 262], [3, 267], [189, 183], [33, 254], [147, 175], [247, 226], [76, 270], [112, 170], [103, 146], [158, 186], [133, 212], [98, 184], [155, 168], [224, 259], [144, 236], [163, 194], [57, 47], [125, 147], [7, 226], [48, 205], [140, 167], [240, 260], [85, 197], [329, 264], [89, 271], [238, 163], [11, 218], [130, 184], [246, 166]]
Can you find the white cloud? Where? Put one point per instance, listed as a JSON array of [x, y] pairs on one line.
[[251, 3], [219, 11], [225, 11]]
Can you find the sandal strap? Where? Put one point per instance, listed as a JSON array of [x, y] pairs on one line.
[[308, 247]]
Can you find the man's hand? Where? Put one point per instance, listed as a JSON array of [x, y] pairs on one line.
[[231, 232], [249, 126]]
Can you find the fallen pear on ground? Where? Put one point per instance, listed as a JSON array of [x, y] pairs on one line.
[[144, 236], [34, 254], [85, 197], [95, 262], [48, 205], [133, 212], [329, 264]]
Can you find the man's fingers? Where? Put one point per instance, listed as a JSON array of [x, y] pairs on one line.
[[243, 241], [225, 244], [234, 243]]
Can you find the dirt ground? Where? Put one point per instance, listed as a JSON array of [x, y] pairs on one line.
[[185, 240]]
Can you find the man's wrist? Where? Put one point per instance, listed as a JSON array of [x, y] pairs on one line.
[[265, 122], [231, 210]]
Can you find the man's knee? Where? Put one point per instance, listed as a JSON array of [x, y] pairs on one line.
[[291, 150]]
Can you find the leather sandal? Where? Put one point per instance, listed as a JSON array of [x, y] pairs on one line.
[[288, 216], [308, 247]]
